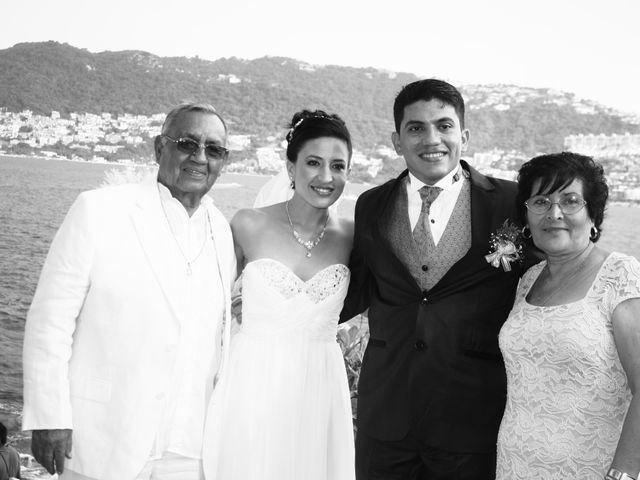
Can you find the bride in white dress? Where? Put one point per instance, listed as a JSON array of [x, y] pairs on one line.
[[281, 410]]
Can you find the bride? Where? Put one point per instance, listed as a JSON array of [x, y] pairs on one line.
[[282, 410]]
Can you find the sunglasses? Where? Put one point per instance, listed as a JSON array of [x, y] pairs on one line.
[[190, 147]]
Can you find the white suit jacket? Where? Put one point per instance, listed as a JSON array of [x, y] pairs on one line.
[[99, 334]]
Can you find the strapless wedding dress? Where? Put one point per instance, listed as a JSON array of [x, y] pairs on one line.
[[282, 409]]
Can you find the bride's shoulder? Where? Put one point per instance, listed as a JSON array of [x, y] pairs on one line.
[[245, 215], [342, 232], [344, 226], [252, 219]]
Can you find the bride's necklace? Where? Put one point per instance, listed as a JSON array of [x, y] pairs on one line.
[[307, 244], [565, 280]]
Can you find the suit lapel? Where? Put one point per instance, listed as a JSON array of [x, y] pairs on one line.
[[482, 210], [387, 206], [220, 237], [158, 244]]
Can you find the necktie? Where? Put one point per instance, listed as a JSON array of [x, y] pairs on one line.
[[421, 230]]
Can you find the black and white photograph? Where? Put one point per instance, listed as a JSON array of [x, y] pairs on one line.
[[338, 240]]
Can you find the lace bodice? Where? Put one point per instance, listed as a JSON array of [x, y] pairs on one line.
[[277, 301], [567, 393]]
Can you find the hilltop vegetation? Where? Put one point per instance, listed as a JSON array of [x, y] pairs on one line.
[[259, 96]]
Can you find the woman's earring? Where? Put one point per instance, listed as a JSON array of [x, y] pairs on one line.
[[293, 184], [594, 233], [526, 232]]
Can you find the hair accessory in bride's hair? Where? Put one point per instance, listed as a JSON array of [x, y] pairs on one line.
[[316, 114], [308, 125], [293, 128]]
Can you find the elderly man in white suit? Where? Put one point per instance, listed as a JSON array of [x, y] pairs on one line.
[[126, 331]]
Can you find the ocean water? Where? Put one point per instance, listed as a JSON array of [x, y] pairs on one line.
[[35, 194]]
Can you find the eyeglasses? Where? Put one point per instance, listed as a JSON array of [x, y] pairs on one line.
[[569, 204], [190, 146]]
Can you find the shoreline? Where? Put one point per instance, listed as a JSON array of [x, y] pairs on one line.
[[129, 163], [147, 165]]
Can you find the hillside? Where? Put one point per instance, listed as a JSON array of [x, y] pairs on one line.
[[259, 96]]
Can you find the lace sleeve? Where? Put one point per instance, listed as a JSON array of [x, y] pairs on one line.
[[622, 280]]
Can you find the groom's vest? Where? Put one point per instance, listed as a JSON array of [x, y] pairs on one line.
[[428, 262]]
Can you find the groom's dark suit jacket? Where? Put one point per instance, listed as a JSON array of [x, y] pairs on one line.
[[432, 365]]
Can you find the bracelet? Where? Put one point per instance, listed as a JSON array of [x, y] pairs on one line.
[[615, 474]]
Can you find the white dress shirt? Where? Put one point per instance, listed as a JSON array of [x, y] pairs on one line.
[[442, 206], [197, 348]]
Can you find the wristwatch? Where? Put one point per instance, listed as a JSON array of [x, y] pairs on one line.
[[615, 474]]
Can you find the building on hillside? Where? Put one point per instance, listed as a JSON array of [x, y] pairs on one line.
[[604, 146], [269, 158], [372, 165], [238, 142], [632, 194]]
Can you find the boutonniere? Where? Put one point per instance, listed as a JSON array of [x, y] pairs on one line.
[[506, 244]]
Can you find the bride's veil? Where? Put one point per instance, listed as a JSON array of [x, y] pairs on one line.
[[276, 190]]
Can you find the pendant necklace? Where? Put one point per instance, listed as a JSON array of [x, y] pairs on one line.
[[307, 244], [193, 260], [204, 242]]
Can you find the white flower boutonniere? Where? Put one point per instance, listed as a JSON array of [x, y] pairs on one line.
[[506, 244]]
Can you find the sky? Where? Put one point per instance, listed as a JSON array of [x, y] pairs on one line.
[[586, 47]]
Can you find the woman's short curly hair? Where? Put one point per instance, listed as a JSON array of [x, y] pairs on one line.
[[556, 171]]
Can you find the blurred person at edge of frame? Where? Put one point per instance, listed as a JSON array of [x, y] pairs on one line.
[[9, 457]]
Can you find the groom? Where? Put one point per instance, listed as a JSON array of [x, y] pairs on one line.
[[432, 386]]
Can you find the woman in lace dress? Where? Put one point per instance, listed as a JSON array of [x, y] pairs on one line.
[[571, 344], [282, 409]]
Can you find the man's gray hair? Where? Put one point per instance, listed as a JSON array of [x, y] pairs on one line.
[[191, 107]]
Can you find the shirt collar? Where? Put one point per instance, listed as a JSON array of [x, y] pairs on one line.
[[168, 199], [448, 182]]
